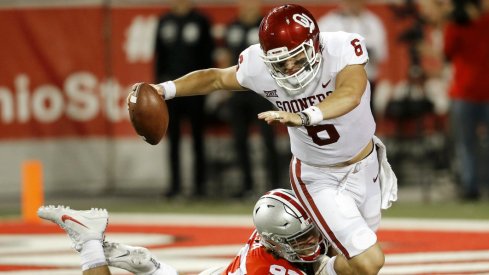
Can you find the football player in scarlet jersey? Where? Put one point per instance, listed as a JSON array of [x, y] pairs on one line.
[[318, 84], [285, 241]]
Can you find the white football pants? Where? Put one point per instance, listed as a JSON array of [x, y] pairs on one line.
[[344, 202]]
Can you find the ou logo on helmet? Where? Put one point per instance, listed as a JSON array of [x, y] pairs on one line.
[[304, 21]]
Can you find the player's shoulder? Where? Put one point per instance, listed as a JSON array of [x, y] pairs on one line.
[[257, 257], [259, 261], [338, 37], [254, 50], [250, 59], [335, 42]]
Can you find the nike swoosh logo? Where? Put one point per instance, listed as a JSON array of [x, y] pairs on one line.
[[326, 85], [375, 179], [123, 255], [69, 218]]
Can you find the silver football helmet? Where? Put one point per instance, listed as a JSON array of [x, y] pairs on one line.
[[285, 227]]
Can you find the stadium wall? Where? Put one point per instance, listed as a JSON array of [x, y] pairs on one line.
[[65, 70]]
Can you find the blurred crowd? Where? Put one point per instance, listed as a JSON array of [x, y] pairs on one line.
[[437, 117]]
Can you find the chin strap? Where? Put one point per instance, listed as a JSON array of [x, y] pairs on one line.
[[312, 257]]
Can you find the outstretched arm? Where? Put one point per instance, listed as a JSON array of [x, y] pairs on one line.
[[350, 85], [202, 82]]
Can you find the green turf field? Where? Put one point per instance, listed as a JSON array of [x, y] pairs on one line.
[[443, 210]]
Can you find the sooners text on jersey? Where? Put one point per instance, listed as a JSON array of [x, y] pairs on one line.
[[334, 140]]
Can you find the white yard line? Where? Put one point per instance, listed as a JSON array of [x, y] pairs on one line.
[[477, 268], [246, 221], [435, 224], [436, 257], [53, 249], [181, 219]]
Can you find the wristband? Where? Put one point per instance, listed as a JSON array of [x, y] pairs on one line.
[[169, 89], [304, 118], [314, 115]]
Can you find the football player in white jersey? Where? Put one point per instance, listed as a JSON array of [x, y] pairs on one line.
[[318, 84]]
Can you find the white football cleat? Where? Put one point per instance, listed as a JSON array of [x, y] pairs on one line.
[[137, 260], [81, 225]]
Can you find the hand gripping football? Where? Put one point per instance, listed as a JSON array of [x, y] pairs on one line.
[[148, 113]]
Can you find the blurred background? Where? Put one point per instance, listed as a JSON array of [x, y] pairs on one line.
[[66, 68]]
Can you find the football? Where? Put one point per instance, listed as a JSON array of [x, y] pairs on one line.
[[148, 113]]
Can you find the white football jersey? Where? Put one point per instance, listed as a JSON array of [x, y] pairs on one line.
[[334, 140]]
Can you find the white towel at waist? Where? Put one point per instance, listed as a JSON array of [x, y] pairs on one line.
[[388, 180]]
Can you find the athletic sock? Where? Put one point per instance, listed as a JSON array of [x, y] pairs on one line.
[[92, 255]]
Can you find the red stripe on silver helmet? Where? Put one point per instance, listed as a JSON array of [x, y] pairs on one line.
[[291, 199]]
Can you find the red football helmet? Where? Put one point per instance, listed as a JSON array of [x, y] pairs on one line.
[[289, 39]]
